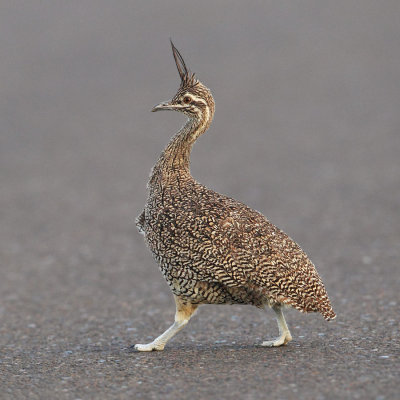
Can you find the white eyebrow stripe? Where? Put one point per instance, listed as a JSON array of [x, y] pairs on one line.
[[196, 99]]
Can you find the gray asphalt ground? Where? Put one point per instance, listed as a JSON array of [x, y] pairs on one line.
[[306, 131]]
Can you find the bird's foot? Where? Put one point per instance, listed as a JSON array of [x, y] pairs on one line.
[[149, 346], [280, 341]]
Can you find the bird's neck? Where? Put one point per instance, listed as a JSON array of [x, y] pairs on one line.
[[175, 159]]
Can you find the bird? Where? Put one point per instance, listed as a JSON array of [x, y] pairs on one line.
[[213, 249]]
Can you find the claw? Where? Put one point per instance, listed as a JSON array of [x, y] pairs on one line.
[[280, 341], [149, 347]]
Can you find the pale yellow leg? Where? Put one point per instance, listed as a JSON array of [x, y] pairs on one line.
[[285, 336], [184, 312]]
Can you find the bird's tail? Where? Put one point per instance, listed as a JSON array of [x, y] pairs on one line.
[[327, 311]]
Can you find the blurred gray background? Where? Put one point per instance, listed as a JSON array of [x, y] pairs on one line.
[[306, 131]]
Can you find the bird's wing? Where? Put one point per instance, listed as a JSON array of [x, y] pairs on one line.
[[240, 247], [230, 246]]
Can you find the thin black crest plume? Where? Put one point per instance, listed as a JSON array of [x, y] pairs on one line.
[[187, 78]]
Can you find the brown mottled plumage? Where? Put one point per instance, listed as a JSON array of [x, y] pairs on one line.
[[213, 249]]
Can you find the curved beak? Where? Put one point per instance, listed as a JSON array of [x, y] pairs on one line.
[[165, 105]]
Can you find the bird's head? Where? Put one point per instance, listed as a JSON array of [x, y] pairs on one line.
[[192, 98]]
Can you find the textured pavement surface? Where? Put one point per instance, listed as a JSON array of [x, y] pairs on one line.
[[306, 131]]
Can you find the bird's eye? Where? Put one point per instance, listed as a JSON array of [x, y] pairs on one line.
[[187, 99]]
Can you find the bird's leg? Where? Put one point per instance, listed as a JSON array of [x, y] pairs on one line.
[[285, 336], [184, 312]]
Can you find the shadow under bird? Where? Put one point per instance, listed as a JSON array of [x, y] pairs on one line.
[[213, 249]]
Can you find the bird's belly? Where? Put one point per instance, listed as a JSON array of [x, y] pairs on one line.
[[185, 281]]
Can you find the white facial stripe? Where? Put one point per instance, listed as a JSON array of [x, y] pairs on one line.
[[207, 111]]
